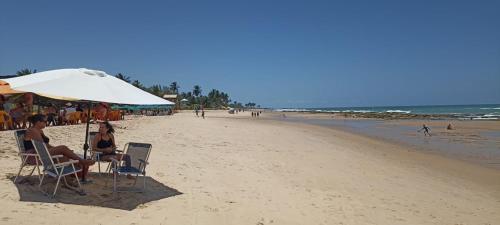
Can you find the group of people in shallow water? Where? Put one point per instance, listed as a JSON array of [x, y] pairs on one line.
[[104, 143]]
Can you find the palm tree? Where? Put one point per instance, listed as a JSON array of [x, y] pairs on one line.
[[123, 77], [25, 72], [156, 90], [196, 90], [174, 87], [138, 84]]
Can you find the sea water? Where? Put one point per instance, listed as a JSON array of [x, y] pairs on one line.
[[475, 112]]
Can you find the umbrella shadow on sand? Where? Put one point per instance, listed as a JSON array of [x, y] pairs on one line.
[[99, 192]]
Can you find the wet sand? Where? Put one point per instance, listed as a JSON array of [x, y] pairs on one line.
[[473, 141]]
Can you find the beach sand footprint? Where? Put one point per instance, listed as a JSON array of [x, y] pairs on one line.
[[160, 174]]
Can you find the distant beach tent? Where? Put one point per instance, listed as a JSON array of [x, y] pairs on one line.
[[84, 85], [5, 89], [184, 100]]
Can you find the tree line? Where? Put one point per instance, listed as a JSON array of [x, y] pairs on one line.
[[215, 99]]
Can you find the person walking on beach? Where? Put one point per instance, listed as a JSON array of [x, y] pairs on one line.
[[203, 113], [426, 130]]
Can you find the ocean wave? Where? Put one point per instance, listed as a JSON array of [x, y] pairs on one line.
[[292, 110], [327, 111], [398, 111], [489, 108], [485, 118], [358, 111]]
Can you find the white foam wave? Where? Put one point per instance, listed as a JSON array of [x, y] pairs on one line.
[[327, 111], [485, 118], [292, 110], [358, 111], [398, 111], [489, 108]]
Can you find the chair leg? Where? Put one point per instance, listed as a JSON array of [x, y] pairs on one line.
[[40, 185], [78, 181], [41, 181], [99, 166], [33, 170], [114, 181], [108, 169], [19, 172], [39, 173], [57, 185]]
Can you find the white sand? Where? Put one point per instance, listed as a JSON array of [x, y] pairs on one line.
[[231, 169]]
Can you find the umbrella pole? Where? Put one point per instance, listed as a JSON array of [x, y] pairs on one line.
[[86, 145]]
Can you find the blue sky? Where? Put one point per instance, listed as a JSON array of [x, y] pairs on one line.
[[275, 53]]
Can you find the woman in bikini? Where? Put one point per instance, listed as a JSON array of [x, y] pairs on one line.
[[35, 132], [104, 142]]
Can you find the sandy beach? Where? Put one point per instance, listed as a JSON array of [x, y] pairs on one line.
[[235, 169]]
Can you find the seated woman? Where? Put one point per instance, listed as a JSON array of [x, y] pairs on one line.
[[35, 133], [104, 142]]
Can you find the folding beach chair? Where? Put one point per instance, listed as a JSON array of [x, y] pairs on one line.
[[27, 159], [139, 155], [58, 170]]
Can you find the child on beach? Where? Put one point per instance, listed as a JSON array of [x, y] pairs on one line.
[[426, 130]]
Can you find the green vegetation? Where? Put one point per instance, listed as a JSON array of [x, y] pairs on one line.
[[25, 72], [215, 99]]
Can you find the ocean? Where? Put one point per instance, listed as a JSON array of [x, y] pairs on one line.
[[475, 112]]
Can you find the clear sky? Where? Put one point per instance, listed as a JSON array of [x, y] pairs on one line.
[[275, 53]]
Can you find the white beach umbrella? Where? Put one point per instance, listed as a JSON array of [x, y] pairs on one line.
[[84, 84]]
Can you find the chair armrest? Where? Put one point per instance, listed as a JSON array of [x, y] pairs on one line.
[[28, 154], [36, 155], [142, 161], [66, 163], [56, 156]]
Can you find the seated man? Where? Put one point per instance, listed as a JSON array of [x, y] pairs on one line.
[[35, 133]]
